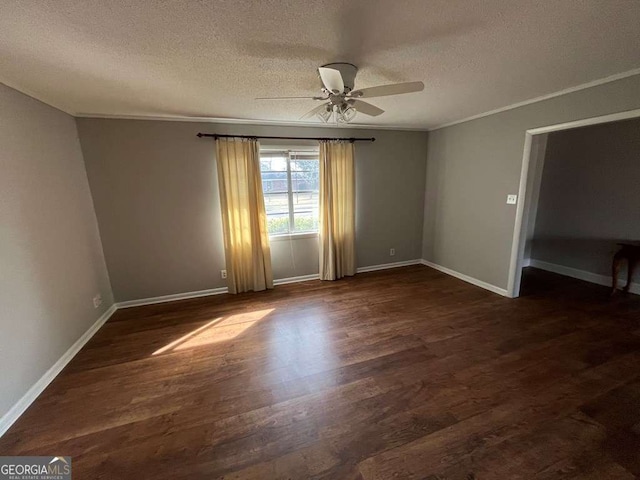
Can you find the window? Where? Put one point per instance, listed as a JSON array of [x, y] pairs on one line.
[[291, 195]]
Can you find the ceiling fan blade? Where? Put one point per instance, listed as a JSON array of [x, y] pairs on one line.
[[384, 90], [313, 111], [290, 98], [366, 108], [332, 79]]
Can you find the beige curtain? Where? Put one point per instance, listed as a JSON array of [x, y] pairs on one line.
[[337, 210], [244, 225]]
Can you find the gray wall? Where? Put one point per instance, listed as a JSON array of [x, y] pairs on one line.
[[155, 191], [589, 196], [472, 166], [50, 252]]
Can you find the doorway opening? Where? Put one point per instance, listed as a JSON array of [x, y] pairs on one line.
[[531, 176]]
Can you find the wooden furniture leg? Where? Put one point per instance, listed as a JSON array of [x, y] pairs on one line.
[[617, 260], [633, 263]]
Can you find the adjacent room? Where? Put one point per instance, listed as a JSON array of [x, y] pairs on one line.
[[320, 240], [586, 204]]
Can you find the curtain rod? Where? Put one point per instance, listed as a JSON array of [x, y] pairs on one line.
[[351, 139]]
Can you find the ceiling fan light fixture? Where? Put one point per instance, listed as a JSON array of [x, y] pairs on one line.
[[346, 114], [338, 90], [325, 114]]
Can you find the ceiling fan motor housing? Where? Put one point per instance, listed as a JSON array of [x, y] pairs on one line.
[[348, 72]]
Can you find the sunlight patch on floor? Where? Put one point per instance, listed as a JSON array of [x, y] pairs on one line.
[[217, 330]]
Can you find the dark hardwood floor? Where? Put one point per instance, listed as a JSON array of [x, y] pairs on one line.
[[399, 374]]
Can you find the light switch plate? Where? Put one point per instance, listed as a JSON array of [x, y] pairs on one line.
[[97, 301], [512, 199]]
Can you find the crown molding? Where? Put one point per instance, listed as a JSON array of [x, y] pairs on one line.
[[242, 121], [577, 88]]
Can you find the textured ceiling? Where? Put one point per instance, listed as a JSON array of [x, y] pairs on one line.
[[212, 58]]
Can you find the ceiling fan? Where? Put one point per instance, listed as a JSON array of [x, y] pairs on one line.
[[342, 100]]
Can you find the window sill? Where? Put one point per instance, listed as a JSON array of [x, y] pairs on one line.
[[293, 236]]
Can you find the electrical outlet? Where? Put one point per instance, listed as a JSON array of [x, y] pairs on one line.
[[97, 301], [512, 199], [392, 252], [223, 273]]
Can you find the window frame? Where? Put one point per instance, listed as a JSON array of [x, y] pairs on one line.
[[289, 153]]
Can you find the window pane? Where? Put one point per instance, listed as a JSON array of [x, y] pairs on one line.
[[274, 162], [304, 181], [277, 209], [304, 191], [276, 203], [277, 225], [304, 184], [305, 211], [273, 169], [304, 175]]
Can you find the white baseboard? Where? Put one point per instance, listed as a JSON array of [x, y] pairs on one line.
[[27, 399], [526, 262], [372, 268], [280, 281], [581, 275], [385, 266], [301, 278], [171, 298], [466, 278]]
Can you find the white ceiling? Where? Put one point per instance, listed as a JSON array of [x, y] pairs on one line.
[[212, 58]]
